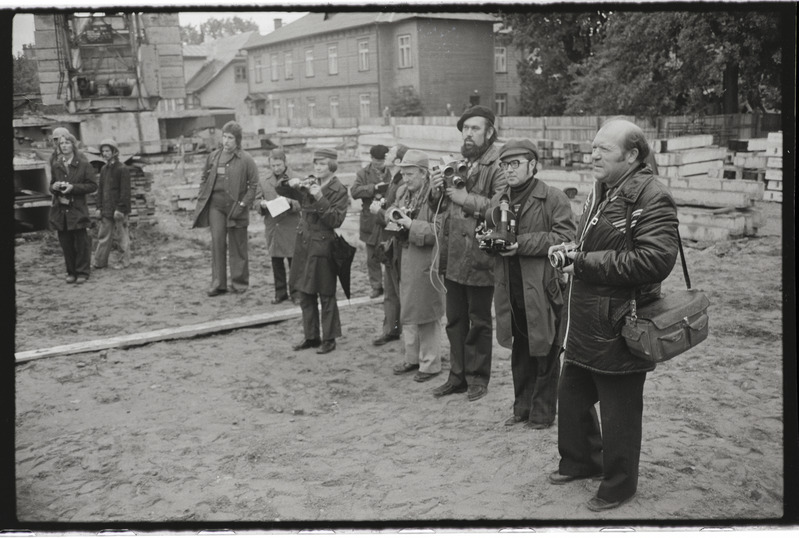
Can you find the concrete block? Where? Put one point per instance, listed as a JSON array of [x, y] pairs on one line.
[[774, 162], [734, 222], [690, 156], [682, 142], [693, 169], [701, 232], [44, 38], [775, 137], [774, 185], [774, 174], [711, 198], [772, 196], [44, 22], [774, 151], [757, 144]]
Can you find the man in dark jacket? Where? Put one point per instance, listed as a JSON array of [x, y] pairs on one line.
[[391, 252], [469, 277], [227, 190], [598, 366], [372, 182], [113, 205], [527, 295]]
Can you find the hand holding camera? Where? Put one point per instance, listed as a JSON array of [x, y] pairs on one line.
[[561, 257], [377, 205]]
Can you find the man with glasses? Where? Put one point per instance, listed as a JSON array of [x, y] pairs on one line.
[[527, 289], [469, 277]]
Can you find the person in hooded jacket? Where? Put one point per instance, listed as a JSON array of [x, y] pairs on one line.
[[72, 178], [113, 205], [598, 366], [528, 297]]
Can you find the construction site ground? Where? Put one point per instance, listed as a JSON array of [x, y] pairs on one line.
[[236, 426]]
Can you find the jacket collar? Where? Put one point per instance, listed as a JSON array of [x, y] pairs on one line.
[[632, 188], [489, 156]]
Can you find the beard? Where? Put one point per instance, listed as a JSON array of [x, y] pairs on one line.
[[474, 151]]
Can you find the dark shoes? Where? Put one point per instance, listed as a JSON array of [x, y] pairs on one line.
[[278, 300], [599, 505], [307, 344], [326, 347], [376, 293], [384, 339], [421, 377], [71, 279], [560, 479], [448, 388], [539, 426], [476, 392], [213, 292], [234, 289], [514, 420], [81, 279], [405, 367]]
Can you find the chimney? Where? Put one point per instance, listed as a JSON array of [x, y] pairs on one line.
[[278, 23]]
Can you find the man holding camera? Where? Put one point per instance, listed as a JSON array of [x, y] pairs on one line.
[[324, 201], [468, 271], [598, 366], [371, 182], [389, 253], [227, 190], [527, 293], [113, 205]]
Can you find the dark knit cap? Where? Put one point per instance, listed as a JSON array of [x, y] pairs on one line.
[[379, 151], [477, 110]]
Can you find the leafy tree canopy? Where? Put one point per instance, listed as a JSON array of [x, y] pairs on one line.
[[26, 75], [214, 29]]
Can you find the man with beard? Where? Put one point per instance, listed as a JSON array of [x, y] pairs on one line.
[[528, 298], [469, 277], [372, 182]]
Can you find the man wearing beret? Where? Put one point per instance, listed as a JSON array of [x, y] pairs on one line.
[[528, 297], [371, 182], [469, 277], [324, 201]]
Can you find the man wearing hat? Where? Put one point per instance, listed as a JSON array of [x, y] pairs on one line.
[[371, 182], [468, 270], [227, 190], [527, 294], [113, 206], [324, 201]]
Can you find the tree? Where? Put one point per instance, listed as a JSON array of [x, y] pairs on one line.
[[552, 44], [651, 64], [26, 75], [215, 29], [406, 102]]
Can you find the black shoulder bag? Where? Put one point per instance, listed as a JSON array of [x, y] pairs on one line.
[[670, 325]]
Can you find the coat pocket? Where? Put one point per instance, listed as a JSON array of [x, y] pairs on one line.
[[320, 245]]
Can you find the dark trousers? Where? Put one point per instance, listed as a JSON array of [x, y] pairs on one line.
[[469, 329], [228, 243], [331, 323], [391, 301], [279, 272], [614, 451], [77, 248], [374, 268], [535, 378]]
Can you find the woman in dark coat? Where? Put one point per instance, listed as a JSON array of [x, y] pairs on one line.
[[324, 202], [71, 180]]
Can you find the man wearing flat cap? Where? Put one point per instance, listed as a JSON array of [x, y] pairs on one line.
[[113, 204], [324, 201], [468, 270], [528, 297], [371, 182]]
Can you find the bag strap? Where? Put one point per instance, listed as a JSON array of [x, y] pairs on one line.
[[628, 239]]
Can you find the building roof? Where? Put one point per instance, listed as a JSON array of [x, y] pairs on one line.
[[322, 23], [195, 51], [220, 53]]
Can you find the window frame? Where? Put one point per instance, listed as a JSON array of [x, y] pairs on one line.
[[332, 60], [288, 65], [309, 59], [404, 51], [363, 54], [257, 63], [500, 58], [274, 67], [364, 98]]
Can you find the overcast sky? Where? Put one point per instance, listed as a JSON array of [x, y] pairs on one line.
[[23, 23]]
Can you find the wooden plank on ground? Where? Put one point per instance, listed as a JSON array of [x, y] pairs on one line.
[[174, 333]]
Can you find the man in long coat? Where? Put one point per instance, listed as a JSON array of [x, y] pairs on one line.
[[527, 294], [324, 201], [281, 230], [227, 190], [113, 204]]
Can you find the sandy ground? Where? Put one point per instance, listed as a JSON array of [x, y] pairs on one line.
[[238, 427]]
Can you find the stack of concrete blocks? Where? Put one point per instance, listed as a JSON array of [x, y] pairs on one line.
[[773, 192]]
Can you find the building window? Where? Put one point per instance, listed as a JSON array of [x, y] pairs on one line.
[[289, 108], [309, 62], [257, 68], [404, 51], [276, 108], [332, 60], [501, 104], [500, 59], [275, 67], [288, 65], [365, 103], [240, 73], [334, 106], [311, 104], [363, 55]]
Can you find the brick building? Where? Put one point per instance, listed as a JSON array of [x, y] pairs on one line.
[[352, 64]]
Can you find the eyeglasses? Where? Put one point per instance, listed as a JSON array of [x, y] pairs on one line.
[[513, 165]]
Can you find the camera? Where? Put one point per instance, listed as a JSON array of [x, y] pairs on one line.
[[306, 183], [454, 173], [503, 236], [62, 186], [559, 259], [394, 228]]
